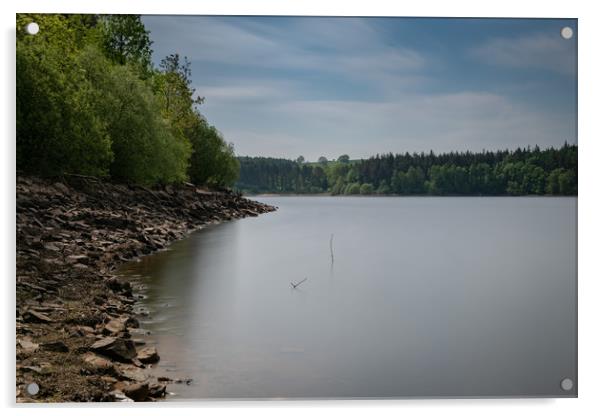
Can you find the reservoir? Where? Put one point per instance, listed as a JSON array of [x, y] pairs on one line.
[[419, 296]]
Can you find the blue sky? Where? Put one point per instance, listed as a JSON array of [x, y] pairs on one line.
[[290, 86]]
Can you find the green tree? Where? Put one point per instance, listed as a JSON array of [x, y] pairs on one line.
[[58, 130], [144, 148], [126, 40], [567, 183], [339, 187], [352, 189], [213, 161], [383, 188], [343, 159], [366, 189], [173, 86]]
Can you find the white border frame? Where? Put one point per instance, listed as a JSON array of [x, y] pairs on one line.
[[590, 152]]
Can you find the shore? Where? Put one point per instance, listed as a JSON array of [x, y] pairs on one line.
[[76, 331]]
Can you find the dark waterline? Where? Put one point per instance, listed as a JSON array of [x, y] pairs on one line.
[[426, 297]]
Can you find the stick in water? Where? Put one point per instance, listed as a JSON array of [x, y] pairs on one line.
[[294, 285], [331, 249]]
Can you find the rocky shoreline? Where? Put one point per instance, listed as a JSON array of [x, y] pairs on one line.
[[75, 324]]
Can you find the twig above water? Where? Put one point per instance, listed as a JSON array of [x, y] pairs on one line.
[[294, 285]]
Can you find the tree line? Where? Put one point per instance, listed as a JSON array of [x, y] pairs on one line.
[[90, 101], [524, 171]]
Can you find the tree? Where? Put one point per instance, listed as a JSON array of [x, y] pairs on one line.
[[89, 102], [213, 161], [524, 172], [567, 183], [126, 40], [366, 189], [383, 188], [343, 159], [322, 160], [352, 189], [173, 84], [58, 130], [300, 160]]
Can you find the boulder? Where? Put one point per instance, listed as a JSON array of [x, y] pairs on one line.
[[118, 348], [148, 355], [137, 392]]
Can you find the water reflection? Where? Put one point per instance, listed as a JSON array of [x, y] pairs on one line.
[[426, 296]]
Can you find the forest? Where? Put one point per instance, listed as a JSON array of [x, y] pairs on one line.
[[523, 171], [91, 102]]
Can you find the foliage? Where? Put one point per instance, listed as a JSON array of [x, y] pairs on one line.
[[90, 102], [213, 161], [519, 172], [126, 40], [58, 130]]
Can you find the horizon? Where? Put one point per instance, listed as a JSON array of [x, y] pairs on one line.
[[291, 86], [403, 153]]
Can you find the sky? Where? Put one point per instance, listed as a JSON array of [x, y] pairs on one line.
[[324, 86]]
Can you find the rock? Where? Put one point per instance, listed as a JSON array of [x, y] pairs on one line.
[[187, 381], [137, 392], [28, 346], [71, 235], [32, 368], [148, 355], [109, 379], [97, 362], [81, 258], [157, 390], [56, 346], [61, 187], [51, 247], [114, 326], [164, 379], [36, 317], [117, 348], [114, 284], [138, 363], [132, 373]]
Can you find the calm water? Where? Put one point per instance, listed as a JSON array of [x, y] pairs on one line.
[[426, 297]]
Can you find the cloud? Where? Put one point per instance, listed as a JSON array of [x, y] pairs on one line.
[[348, 47], [443, 122], [545, 51], [327, 86], [241, 93]]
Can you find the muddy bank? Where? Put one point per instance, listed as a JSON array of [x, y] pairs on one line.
[[75, 324]]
